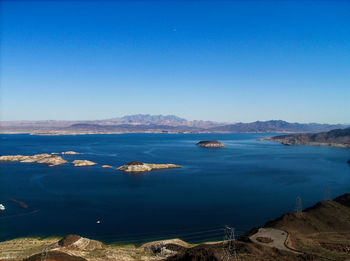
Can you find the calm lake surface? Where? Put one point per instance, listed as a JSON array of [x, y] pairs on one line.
[[242, 185]]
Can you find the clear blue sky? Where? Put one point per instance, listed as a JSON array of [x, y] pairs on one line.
[[225, 61]]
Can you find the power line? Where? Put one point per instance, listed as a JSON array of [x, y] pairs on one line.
[[298, 205], [229, 244]]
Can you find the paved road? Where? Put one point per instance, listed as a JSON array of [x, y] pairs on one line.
[[278, 236]]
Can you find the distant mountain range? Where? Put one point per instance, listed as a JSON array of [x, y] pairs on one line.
[[157, 124], [276, 126]]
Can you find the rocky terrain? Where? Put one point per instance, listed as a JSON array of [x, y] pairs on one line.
[[82, 163], [70, 153], [210, 144], [144, 123], [320, 232], [136, 166], [336, 138], [53, 160], [44, 158]]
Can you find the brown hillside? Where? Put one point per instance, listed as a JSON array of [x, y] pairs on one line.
[[323, 229]]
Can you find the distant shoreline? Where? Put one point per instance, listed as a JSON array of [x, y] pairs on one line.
[[141, 132]]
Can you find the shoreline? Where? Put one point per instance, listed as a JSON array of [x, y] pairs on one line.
[[141, 132], [282, 236]]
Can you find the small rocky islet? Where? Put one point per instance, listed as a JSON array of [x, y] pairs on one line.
[[54, 160], [51, 159], [82, 163], [136, 166], [43, 158], [210, 144], [70, 153]]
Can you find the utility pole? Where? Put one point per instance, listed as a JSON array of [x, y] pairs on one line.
[[229, 244], [298, 205], [44, 254]]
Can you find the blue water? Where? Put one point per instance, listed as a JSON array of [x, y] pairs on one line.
[[242, 185]]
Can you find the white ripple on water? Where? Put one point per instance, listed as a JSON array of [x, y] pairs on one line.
[[149, 151], [37, 179]]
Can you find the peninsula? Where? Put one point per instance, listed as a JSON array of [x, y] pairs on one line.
[[336, 138]]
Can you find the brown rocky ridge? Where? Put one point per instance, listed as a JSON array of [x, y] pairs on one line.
[[335, 138]]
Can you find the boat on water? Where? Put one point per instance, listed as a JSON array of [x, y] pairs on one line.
[[2, 207]]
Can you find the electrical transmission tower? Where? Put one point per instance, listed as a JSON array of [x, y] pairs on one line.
[[44, 254], [298, 205], [229, 244], [327, 193]]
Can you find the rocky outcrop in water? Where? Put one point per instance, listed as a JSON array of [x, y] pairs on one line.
[[70, 153], [106, 166], [82, 163], [210, 144], [44, 158], [136, 166]]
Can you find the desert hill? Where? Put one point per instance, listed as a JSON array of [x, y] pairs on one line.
[[337, 138]]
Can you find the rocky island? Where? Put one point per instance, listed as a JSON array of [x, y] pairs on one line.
[[335, 138], [83, 163], [210, 144], [136, 166], [70, 153], [44, 158]]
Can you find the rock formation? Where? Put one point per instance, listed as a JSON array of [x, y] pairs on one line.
[[44, 158], [82, 163], [165, 247], [69, 153], [54, 256], [79, 243], [210, 144], [135, 166], [106, 166]]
